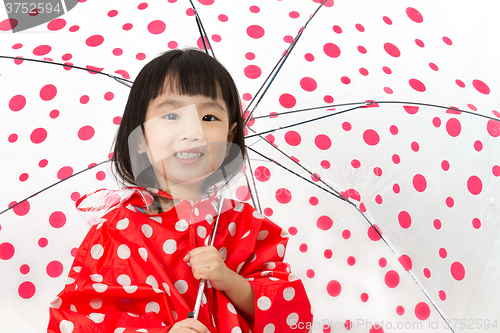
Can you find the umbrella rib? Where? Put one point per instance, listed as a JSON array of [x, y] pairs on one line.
[[261, 138], [309, 109], [367, 103], [307, 180], [202, 31], [48, 187], [278, 67], [72, 66], [438, 106], [254, 186], [409, 272], [306, 121]]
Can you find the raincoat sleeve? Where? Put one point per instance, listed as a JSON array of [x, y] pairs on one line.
[[98, 298], [281, 302]]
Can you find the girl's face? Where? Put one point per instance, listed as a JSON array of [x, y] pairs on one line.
[[187, 137]]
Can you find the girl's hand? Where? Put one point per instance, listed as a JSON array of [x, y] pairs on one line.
[[189, 325], [206, 263]]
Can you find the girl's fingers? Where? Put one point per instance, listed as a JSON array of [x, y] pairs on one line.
[[189, 324]]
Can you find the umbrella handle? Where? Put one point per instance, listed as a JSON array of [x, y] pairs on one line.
[[194, 313]]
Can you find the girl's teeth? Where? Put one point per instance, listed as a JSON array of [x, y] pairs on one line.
[[187, 155]]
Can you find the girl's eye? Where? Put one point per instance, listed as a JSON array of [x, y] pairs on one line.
[[171, 116], [209, 117]]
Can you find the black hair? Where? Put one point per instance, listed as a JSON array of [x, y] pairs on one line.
[[187, 72]]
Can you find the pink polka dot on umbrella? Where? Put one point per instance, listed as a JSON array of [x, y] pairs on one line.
[[447, 40], [422, 311], [252, 71], [24, 269], [156, 27], [254, 9], [64, 172], [474, 185], [400, 310], [242, 193], [42, 50], [392, 50], [48, 92], [13, 138], [493, 128], [419, 183], [382, 262], [324, 223], [308, 84], [94, 41], [8, 24], [262, 174], [17, 103], [406, 262], [322, 141], [84, 99], [56, 24], [453, 127], [54, 269], [292, 138], [481, 87], [86, 133], [371, 137], [351, 261], [345, 80], [255, 31], [374, 233], [346, 126], [26, 290], [334, 288], [283, 195], [7, 251], [437, 224], [404, 219], [38, 135], [287, 101], [391, 279], [457, 271], [414, 15], [57, 219], [250, 56], [417, 85], [268, 212], [331, 50]]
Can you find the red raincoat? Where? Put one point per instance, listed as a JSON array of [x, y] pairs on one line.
[[129, 275]]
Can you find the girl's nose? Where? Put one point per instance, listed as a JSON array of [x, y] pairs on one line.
[[190, 128]]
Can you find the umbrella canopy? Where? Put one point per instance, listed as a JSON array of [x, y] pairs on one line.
[[350, 52]]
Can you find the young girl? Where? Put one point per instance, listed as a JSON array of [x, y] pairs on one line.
[[139, 267]]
